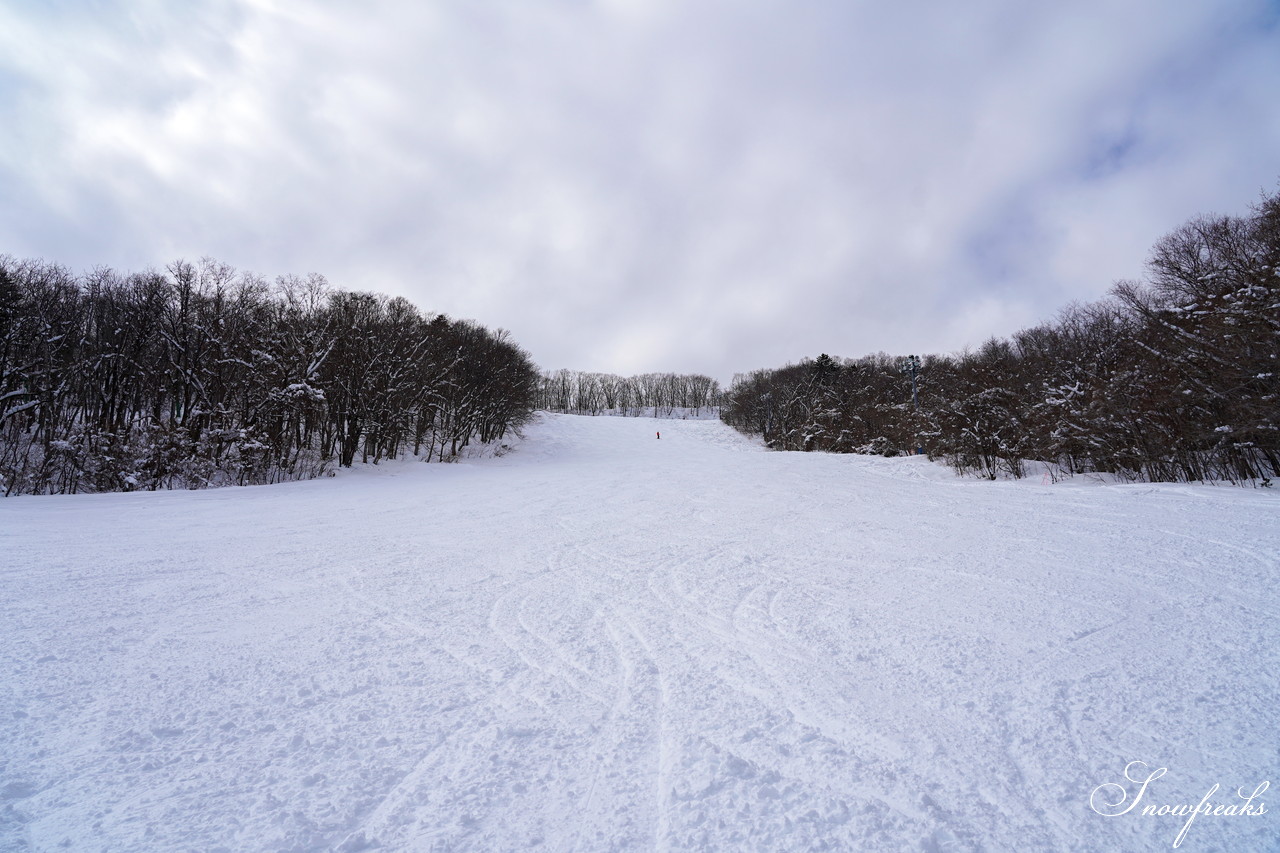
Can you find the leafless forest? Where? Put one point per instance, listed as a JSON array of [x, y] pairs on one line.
[[201, 375], [1173, 378], [653, 394]]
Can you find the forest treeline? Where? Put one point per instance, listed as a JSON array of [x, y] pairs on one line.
[[1174, 378], [655, 394], [202, 375]]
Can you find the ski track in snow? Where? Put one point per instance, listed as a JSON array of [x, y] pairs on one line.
[[604, 641]]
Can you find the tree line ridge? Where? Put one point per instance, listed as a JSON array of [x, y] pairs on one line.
[[202, 375], [1173, 378]]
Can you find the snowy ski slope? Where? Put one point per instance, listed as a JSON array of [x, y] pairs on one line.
[[607, 641]]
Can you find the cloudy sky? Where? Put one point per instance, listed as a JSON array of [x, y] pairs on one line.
[[633, 185]]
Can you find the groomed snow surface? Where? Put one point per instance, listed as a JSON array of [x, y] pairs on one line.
[[603, 640]]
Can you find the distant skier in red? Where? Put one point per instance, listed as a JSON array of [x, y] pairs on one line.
[[659, 435]]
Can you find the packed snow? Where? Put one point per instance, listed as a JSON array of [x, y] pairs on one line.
[[606, 640]]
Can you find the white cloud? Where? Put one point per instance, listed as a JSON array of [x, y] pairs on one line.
[[631, 186]]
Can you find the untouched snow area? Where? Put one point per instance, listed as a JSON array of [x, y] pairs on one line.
[[606, 641]]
